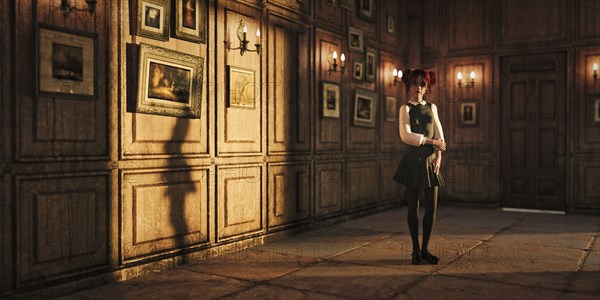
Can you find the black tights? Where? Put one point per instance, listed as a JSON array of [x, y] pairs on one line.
[[431, 195]]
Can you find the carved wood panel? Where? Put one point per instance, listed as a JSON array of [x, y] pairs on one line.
[[388, 131], [468, 179], [390, 190], [329, 131], [469, 24], [62, 226], [588, 26], [51, 126], [239, 200], [289, 54], [329, 188], [240, 129], [362, 183], [289, 193], [163, 210], [329, 12], [587, 191], [588, 91], [533, 22]]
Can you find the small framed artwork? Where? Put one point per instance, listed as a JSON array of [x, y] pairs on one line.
[[371, 65], [190, 20], [390, 109], [331, 100], [170, 82], [594, 103], [355, 40], [358, 69], [468, 113], [153, 19], [240, 88], [347, 5], [390, 24], [365, 9], [66, 62], [364, 108]]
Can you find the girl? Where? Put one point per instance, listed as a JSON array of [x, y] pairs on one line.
[[419, 167]]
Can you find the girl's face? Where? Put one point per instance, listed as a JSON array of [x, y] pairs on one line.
[[417, 89]]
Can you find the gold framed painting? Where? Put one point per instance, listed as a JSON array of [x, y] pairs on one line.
[[66, 62], [468, 114], [241, 89], [170, 82], [190, 20], [390, 109]]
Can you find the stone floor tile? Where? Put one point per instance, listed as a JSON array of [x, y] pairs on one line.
[[396, 252], [350, 281], [123, 291], [560, 223], [573, 240], [445, 287], [266, 292], [250, 264], [587, 280], [529, 265]]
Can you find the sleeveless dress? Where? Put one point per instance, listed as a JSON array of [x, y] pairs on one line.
[[415, 168]]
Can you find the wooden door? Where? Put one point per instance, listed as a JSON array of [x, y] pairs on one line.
[[533, 95]]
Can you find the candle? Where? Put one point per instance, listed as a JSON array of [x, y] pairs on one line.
[[334, 57], [395, 73], [400, 74], [343, 58], [472, 74], [245, 31], [459, 76]]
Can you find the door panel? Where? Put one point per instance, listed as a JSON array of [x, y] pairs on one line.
[[533, 126]]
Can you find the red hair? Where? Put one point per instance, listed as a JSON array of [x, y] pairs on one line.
[[410, 77]]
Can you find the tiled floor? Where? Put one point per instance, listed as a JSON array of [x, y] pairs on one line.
[[484, 254]]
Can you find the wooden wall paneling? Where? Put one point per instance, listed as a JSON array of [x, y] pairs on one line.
[[288, 86], [362, 182], [388, 129], [587, 131], [329, 131], [51, 126], [469, 24], [474, 138], [289, 194], [240, 129], [155, 136], [299, 7], [390, 190], [533, 22], [588, 27], [430, 37], [390, 9], [469, 179], [239, 200], [329, 198], [62, 223], [588, 191], [163, 210], [329, 14]]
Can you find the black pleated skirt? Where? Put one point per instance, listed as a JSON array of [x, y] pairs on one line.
[[416, 170]]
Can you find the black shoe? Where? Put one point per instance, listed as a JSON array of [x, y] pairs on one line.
[[416, 258], [429, 258]]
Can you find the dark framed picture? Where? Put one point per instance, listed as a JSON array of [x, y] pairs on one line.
[[468, 113], [190, 20], [364, 108], [347, 4], [330, 97], [355, 40], [390, 109], [66, 62], [371, 64], [390, 23], [366, 9], [358, 69], [594, 109], [153, 19], [240, 87], [170, 82]]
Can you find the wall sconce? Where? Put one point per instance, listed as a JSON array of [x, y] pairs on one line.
[[472, 78], [459, 77], [595, 68], [244, 41], [397, 76], [67, 8], [333, 65]]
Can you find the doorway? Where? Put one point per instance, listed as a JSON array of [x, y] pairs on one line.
[[533, 145]]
